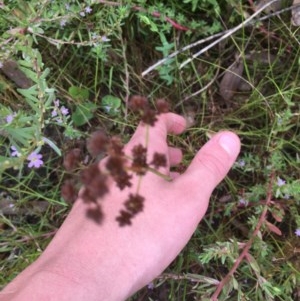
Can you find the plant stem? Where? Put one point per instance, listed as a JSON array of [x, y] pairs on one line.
[[249, 243]]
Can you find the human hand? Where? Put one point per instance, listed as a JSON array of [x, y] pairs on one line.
[[174, 209], [108, 262]]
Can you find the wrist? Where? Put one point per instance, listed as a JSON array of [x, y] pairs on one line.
[[89, 258], [82, 262]]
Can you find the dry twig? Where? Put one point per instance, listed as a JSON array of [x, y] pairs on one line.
[[223, 35]]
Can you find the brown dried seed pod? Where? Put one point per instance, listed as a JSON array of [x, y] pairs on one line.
[[97, 143], [135, 203], [69, 192], [87, 196], [159, 160], [95, 214], [115, 147], [122, 179], [88, 174], [94, 180], [162, 106], [137, 103], [149, 116], [115, 164], [124, 218], [139, 161], [72, 159]]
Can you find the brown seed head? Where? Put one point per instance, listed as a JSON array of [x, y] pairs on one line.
[[115, 147], [69, 192], [72, 159], [123, 179], [162, 106], [135, 203], [159, 160], [149, 116], [124, 218], [137, 103], [97, 143], [139, 161]]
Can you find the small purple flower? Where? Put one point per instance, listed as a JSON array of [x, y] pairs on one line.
[[63, 22], [14, 152], [280, 182], [88, 10], [82, 13], [9, 118], [35, 160], [105, 39], [64, 110], [56, 102], [297, 232], [241, 163], [243, 202], [54, 113], [150, 286]]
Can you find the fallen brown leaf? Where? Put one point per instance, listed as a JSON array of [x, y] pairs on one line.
[[231, 80]]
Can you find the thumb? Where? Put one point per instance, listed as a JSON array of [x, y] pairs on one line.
[[211, 164]]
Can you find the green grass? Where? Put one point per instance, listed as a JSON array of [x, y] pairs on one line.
[[266, 118]]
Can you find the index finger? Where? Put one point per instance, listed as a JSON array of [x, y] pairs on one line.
[[167, 123]]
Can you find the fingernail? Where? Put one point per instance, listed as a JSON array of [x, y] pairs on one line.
[[230, 143]]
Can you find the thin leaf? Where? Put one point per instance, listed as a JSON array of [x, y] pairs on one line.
[[273, 228], [52, 145]]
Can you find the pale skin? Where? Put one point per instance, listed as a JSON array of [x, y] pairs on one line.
[[87, 261]]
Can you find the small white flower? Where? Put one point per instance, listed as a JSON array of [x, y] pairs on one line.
[[88, 10]]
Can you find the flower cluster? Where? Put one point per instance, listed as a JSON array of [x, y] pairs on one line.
[[34, 158], [118, 166], [58, 113], [71, 10]]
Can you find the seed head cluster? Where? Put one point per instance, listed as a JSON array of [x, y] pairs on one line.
[[118, 166]]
